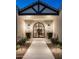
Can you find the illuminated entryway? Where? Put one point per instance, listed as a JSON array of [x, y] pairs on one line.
[[39, 24], [38, 30]]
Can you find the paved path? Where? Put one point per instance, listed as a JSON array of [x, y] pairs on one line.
[[38, 50]]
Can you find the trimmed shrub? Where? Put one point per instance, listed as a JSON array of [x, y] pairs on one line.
[[49, 35], [17, 47], [22, 41]]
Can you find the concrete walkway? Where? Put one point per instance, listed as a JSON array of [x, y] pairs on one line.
[[38, 50]]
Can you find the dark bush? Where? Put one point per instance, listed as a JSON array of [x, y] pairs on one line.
[[49, 35], [28, 35], [56, 42], [22, 41]]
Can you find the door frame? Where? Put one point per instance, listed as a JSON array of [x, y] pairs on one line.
[[43, 27]]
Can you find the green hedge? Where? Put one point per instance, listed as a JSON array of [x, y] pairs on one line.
[[22, 41], [17, 47]]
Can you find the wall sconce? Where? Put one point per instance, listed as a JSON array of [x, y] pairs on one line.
[[48, 24], [28, 24]]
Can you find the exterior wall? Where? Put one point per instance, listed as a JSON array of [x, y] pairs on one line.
[[20, 28], [54, 21], [57, 27]]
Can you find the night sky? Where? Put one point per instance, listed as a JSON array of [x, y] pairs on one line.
[[57, 4]]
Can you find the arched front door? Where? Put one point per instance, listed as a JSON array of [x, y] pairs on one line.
[[38, 30]]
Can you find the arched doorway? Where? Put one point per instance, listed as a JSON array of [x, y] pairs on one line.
[[38, 30]]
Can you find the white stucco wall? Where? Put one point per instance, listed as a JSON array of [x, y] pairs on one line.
[[20, 27], [55, 26]]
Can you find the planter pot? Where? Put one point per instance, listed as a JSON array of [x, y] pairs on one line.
[[49, 35], [28, 35]]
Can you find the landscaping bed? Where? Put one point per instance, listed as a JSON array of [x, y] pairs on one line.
[[21, 48], [56, 50]]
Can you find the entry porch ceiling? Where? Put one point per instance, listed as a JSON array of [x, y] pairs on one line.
[[32, 21], [38, 18]]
